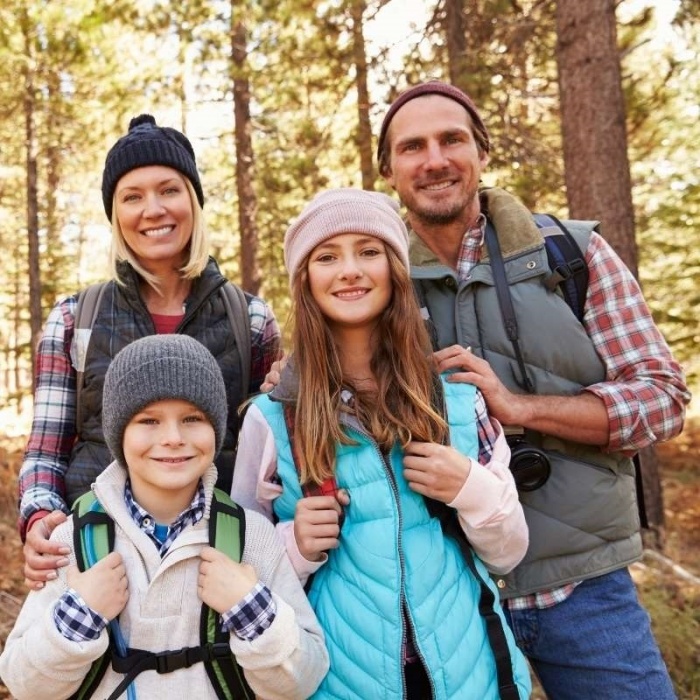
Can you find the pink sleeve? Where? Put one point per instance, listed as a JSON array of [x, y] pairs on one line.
[[490, 512], [255, 484]]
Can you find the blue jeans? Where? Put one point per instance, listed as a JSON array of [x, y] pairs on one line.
[[596, 645]]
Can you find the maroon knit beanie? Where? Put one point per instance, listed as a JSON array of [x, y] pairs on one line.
[[435, 87]]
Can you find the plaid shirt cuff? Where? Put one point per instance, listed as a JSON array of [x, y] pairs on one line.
[[249, 618], [76, 620]]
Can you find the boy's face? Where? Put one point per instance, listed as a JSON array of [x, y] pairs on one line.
[[168, 446]]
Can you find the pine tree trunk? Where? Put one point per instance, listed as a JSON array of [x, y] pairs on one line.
[[245, 163], [598, 182]]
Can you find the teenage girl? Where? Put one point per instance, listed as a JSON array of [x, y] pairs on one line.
[[360, 414]]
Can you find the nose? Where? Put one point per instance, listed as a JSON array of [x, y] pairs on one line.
[[153, 207], [350, 268], [171, 434], [435, 156]]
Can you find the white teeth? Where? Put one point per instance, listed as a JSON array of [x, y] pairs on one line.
[[351, 295], [157, 232], [438, 186]]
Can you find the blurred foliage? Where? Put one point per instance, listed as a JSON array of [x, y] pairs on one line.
[[94, 64]]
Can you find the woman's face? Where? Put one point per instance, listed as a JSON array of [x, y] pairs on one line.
[[350, 280], [155, 215]]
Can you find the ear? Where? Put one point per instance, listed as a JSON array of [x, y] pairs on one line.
[[388, 175]]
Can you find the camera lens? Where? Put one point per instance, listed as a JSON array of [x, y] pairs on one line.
[[529, 465]]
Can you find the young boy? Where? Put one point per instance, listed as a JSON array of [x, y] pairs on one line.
[[164, 417]]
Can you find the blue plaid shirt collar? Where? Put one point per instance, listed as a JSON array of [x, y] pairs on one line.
[[190, 516]]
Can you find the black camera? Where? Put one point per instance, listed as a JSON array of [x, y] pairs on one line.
[[529, 465]]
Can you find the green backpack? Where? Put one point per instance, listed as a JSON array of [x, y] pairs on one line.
[[93, 539]]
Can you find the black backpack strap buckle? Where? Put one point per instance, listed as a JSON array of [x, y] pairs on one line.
[[169, 661]]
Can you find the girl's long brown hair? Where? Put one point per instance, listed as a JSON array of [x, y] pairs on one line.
[[401, 408]]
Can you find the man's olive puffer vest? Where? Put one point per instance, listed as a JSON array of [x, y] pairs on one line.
[[121, 319], [584, 521]]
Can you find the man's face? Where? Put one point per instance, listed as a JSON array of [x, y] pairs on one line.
[[434, 164]]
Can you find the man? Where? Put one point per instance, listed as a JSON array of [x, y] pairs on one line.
[[590, 394]]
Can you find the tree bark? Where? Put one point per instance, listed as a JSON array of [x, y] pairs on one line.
[[245, 163], [364, 126], [34, 272], [598, 182]]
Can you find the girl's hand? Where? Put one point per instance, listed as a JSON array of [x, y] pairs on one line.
[[436, 471], [317, 523]]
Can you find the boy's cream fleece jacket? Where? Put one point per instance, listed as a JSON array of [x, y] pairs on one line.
[[287, 661]]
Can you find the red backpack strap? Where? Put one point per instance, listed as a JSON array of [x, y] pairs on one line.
[[329, 487]]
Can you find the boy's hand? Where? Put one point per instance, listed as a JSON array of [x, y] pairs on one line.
[[41, 556], [317, 523], [104, 587], [222, 582]]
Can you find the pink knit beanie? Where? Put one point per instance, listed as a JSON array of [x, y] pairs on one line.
[[344, 210]]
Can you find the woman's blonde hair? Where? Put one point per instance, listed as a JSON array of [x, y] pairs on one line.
[[401, 409], [198, 246]]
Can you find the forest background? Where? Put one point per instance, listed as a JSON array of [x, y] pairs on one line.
[[593, 107]]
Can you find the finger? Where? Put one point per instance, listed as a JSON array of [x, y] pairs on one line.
[[318, 504], [209, 554], [420, 449], [38, 542], [53, 519], [343, 497]]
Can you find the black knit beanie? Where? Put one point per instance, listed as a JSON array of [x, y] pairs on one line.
[[435, 87], [148, 144], [155, 368]]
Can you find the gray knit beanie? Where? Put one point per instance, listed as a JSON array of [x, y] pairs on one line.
[[345, 210], [158, 367], [146, 143]]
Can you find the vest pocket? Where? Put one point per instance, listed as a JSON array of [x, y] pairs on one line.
[[582, 506]]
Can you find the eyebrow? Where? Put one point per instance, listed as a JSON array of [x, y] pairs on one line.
[[418, 138], [160, 183]]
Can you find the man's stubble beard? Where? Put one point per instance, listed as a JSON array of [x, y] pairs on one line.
[[447, 214]]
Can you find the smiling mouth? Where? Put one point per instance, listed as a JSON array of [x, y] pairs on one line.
[[172, 460], [158, 232], [437, 186], [350, 295]]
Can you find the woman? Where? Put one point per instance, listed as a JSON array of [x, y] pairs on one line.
[[370, 424], [163, 282]]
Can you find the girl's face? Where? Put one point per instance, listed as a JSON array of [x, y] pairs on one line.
[[167, 447], [155, 215], [350, 280]]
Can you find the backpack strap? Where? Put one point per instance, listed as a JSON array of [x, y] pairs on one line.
[[227, 534], [237, 311], [93, 539], [507, 689], [567, 263], [89, 300], [329, 486]]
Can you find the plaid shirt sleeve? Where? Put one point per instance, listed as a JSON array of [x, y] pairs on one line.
[[486, 431], [265, 340], [76, 620], [644, 390], [250, 617], [41, 477]]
